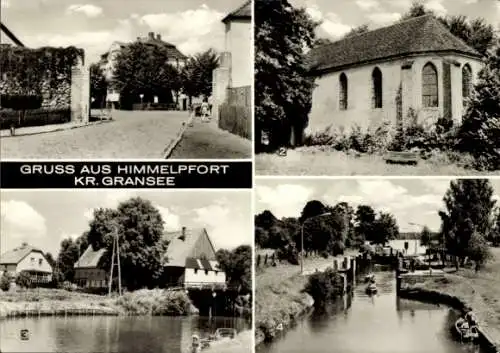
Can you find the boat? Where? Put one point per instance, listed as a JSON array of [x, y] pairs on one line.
[[221, 335], [466, 333], [370, 278], [371, 288]]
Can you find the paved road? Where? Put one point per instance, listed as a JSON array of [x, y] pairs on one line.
[[132, 134], [207, 141]]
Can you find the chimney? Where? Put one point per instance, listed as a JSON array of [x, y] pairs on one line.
[[158, 36], [24, 244], [183, 234], [151, 35]]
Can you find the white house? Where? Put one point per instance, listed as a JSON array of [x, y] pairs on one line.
[[408, 246], [190, 260], [412, 70], [29, 259]]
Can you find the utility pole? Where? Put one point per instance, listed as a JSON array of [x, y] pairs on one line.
[[116, 251]]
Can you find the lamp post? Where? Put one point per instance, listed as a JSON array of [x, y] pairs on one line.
[[302, 238], [141, 96]]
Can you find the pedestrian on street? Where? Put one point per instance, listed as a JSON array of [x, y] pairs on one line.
[[205, 110]]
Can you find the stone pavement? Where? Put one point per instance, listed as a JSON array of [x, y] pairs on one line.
[[206, 141], [131, 134]]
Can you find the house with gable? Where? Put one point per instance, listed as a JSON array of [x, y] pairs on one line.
[[232, 80], [27, 259], [414, 71], [189, 262]]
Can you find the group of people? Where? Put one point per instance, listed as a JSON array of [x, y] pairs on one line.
[[204, 111]]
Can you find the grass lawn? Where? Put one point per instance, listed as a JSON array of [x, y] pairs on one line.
[[481, 291], [316, 161], [61, 302], [278, 293]]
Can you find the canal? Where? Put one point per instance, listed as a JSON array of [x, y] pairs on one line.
[[374, 324], [158, 334]]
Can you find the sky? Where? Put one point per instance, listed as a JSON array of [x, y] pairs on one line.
[[339, 16], [191, 25], [413, 202], [44, 218]]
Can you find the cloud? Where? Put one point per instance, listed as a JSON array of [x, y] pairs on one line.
[[384, 18], [314, 12], [227, 226], [403, 4], [333, 26], [436, 6], [88, 10], [285, 200], [191, 30], [469, 2], [172, 221], [367, 5], [20, 222], [95, 43]]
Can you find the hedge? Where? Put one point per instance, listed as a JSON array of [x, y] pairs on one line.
[[37, 117]]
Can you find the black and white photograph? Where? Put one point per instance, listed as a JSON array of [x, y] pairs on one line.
[[377, 265], [126, 271], [109, 79], [377, 87]]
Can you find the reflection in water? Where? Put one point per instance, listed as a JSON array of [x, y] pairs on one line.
[[109, 334], [378, 323]]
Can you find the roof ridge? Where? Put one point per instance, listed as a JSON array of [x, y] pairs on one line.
[[378, 29]]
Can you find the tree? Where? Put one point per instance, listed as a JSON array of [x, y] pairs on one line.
[[479, 250], [312, 209], [283, 90], [143, 69], [50, 259], [237, 264], [476, 33], [265, 219], [261, 237], [468, 209], [425, 236], [98, 84], [68, 256], [139, 227], [357, 30], [365, 218], [197, 74], [384, 228], [480, 129]]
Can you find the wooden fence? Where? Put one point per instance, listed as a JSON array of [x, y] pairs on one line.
[[235, 115]]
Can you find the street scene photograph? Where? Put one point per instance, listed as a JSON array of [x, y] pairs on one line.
[[130, 80], [377, 265], [377, 87], [126, 271]]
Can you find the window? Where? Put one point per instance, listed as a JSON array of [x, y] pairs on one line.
[[40, 262], [429, 86], [343, 91], [195, 271], [466, 82], [206, 272], [376, 88]]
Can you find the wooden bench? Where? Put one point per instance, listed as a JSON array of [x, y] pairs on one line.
[[401, 158]]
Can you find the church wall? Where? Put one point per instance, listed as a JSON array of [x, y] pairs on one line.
[[325, 111]]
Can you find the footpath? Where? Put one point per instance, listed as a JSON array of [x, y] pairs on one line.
[[35, 130], [205, 140]]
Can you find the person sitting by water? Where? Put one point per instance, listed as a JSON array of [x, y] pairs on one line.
[[463, 324], [195, 345], [470, 316]]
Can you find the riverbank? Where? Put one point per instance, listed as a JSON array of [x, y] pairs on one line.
[[43, 302], [242, 343], [481, 291]]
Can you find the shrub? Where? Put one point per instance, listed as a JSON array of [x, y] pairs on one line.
[[70, 287], [23, 280], [289, 253], [20, 102], [338, 248], [324, 286], [156, 302], [37, 117], [5, 281]]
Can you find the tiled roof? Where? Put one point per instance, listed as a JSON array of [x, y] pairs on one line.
[[14, 256], [417, 35], [242, 12], [90, 258], [179, 249]]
